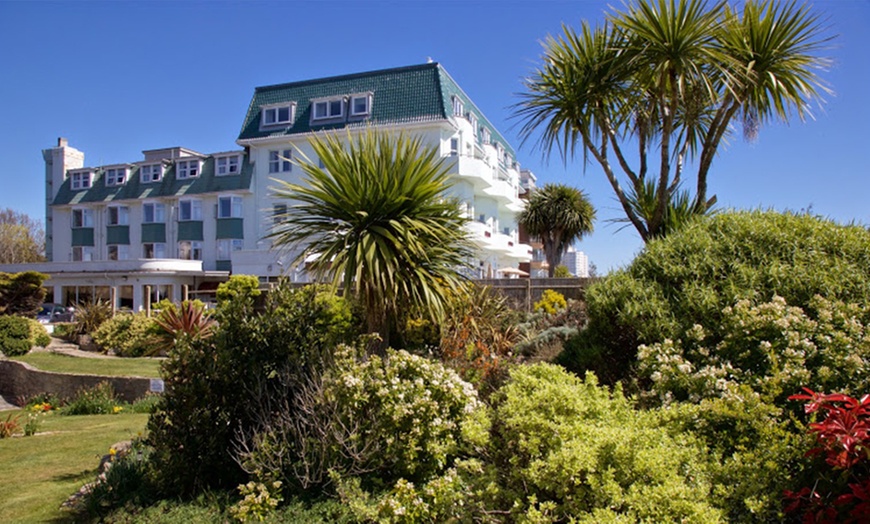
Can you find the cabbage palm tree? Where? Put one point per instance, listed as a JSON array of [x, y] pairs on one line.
[[558, 215], [660, 83], [375, 220]]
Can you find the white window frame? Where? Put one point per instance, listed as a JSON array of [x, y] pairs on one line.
[[278, 213], [472, 118], [121, 252], [86, 218], [115, 176], [458, 106], [485, 136], [81, 180], [281, 161], [121, 216], [158, 250], [368, 104], [226, 246], [271, 114], [189, 168], [454, 146], [195, 211], [158, 212], [150, 173], [190, 250], [235, 206], [328, 103], [82, 253], [228, 165]]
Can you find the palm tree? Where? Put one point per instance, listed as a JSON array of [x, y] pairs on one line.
[[671, 75], [558, 215], [376, 220]]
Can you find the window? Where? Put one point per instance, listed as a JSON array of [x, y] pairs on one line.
[[190, 250], [473, 119], [329, 109], [458, 106], [278, 212], [82, 253], [360, 105], [153, 213], [230, 207], [151, 173], [119, 215], [119, 252], [454, 146], [190, 210], [228, 165], [80, 180], [226, 246], [154, 250], [188, 168], [277, 115], [485, 136], [279, 161], [83, 218], [116, 176]]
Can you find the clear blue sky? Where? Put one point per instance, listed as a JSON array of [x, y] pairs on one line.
[[116, 78]]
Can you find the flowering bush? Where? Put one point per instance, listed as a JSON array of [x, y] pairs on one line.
[[258, 501], [841, 492], [128, 335], [381, 419], [771, 347], [551, 302]]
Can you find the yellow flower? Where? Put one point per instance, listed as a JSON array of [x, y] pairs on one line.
[[117, 409]]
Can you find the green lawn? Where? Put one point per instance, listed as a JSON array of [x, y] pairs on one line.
[[42, 471], [115, 367]]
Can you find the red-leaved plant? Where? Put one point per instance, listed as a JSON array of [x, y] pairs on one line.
[[843, 436]]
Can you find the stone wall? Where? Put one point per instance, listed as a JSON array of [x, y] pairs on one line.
[[19, 381]]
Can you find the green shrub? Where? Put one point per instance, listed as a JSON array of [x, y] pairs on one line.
[[38, 334], [210, 382], [379, 419], [128, 335], [693, 275], [15, 335], [99, 400], [238, 286], [551, 302], [568, 448]]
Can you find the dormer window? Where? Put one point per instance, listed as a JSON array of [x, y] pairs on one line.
[[485, 136], [80, 180], [228, 165], [151, 173], [458, 106], [116, 176], [328, 109], [276, 115], [473, 120], [188, 168], [360, 105]]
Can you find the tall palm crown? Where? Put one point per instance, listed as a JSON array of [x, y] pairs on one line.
[[558, 215], [670, 75], [376, 218]]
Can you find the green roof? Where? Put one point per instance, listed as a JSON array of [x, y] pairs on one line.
[[419, 93], [134, 189]]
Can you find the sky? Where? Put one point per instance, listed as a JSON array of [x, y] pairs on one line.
[[117, 78]]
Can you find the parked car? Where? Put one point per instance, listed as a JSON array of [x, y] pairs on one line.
[[52, 313]]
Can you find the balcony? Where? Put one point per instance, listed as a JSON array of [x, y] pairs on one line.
[[475, 170], [145, 265]]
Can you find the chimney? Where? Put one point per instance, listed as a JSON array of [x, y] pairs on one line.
[[61, 142]]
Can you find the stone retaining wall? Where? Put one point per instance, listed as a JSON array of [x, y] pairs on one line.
[[20, 381]]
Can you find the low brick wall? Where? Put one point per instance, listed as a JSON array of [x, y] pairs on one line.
[[20, 381]]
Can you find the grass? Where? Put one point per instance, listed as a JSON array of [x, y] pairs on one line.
[[114, 367], [40, 472]]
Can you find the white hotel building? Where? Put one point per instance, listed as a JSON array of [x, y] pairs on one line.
[[179, 221]]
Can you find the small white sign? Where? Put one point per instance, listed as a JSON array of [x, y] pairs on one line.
[[156, 385]]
